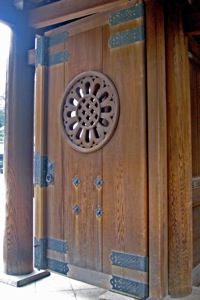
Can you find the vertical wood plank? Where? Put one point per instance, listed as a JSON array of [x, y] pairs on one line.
[[40, 147], [157, 150], [18, 237], [179, 154], [84, 231], [124, 157], [55, 91], [194, 118]]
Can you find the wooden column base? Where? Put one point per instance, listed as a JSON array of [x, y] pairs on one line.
[[21, 280]]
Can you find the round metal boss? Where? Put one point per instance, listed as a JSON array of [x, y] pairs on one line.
[[90, 111]]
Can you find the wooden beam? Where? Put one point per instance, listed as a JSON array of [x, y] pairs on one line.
[[8, 12], [179, 154], [194, 47], [62, 11], [193, 24], [194, 50], [157, 151], [195, 4], [18, 165]]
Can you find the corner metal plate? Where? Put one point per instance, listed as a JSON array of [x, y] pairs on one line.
[[130, 287], [42, 50], [43, 171], [41, 56], [57, 266], [127, 37], [126, 15], [56, 245], [40, 254], [39, 170], [130, 261], [58, 38], [58, 58]]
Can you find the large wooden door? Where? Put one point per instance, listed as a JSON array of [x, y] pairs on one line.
[[90, 138]]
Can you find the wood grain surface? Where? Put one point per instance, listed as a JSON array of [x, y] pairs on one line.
[[179, 155], [157, 150]]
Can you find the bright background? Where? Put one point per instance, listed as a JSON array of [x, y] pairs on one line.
[[4, 53]]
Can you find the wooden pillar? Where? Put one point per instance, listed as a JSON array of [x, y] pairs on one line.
[[157, 150], [179, 154], [18, 236]]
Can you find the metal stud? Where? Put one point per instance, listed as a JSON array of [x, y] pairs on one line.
[[76, 209], [98, 182], [99, 212], [76, 181]]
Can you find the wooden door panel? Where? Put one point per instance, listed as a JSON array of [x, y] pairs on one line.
[[54, 149], [125, 157], [121, 163], [83, 231]]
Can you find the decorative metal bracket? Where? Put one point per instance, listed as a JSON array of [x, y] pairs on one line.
[[76, 209], [130, 287], [57, 266], [42, 262], [127, 37], [130, 261], [126, 15], [44, 43], [98, 182], [40, 170], [76, 181], [99, 212], [43, 171]]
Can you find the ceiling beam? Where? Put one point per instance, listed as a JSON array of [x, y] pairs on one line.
[[9, 14], [193, 24], [194, 49], [195, 4], [66, 10]]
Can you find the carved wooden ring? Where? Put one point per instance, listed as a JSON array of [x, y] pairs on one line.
[[89, 111]]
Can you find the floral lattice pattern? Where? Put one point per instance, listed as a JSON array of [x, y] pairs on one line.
[[90, 111]]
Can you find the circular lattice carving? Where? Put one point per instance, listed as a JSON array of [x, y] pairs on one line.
[[90, 111]]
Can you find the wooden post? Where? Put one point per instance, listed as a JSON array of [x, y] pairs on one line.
[[18, 237], [179, 154], [157, 150]]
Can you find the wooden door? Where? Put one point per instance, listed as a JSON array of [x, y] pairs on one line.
[[91, 210]]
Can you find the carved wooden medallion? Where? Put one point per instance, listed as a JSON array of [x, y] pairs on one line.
[[90, 111]]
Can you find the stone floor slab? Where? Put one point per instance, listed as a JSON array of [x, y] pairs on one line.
[[114, 296], [21, 280]]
